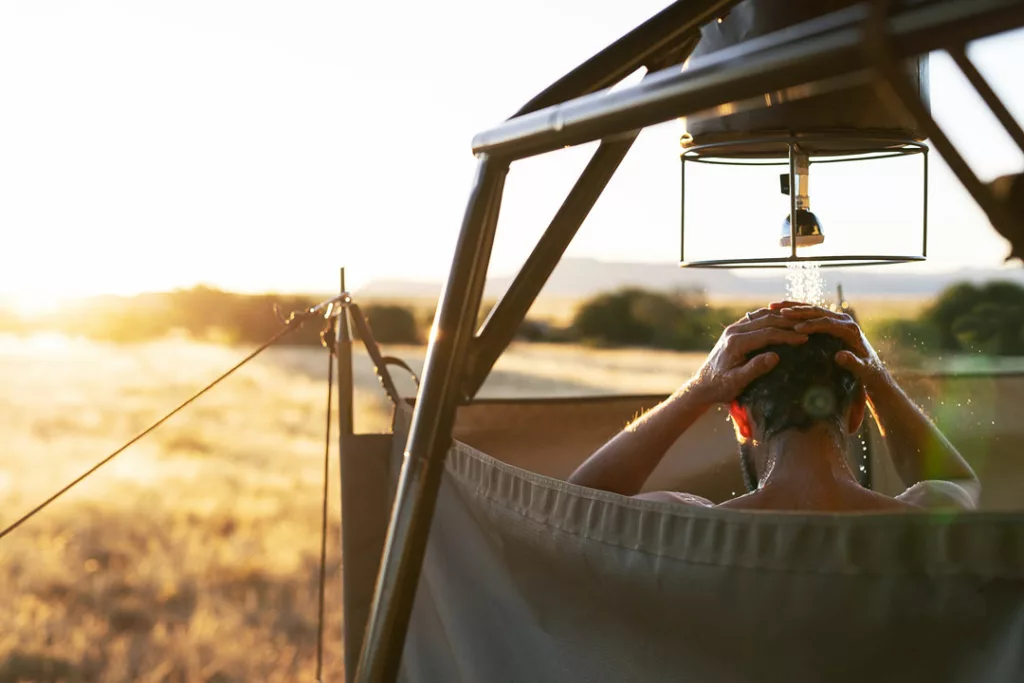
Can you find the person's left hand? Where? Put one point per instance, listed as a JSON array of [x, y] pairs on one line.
[[727, 372]]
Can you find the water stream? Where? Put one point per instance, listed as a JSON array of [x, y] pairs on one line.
[[805, 283]]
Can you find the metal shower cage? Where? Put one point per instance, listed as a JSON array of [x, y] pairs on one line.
[[864, 43], [716, 153]]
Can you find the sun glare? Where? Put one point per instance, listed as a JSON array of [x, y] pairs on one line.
[[31, 305]]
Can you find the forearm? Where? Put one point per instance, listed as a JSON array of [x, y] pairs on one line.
[[919, 451], [625, 463]]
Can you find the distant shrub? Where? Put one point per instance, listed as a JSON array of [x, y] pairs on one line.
[[534, 331], [983, 319], [903, 343], [903, 333], [392, 324], [635, 317], [987, 319]]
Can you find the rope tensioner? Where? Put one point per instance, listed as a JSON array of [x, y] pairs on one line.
[[294, 322]]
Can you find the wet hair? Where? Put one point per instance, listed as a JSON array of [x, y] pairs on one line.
[[806, 388]]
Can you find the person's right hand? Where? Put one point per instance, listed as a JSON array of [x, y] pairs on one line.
[[860, 358], [727, 372]]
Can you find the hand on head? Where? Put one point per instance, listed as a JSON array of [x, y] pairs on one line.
[[859, 357], [729, 368]]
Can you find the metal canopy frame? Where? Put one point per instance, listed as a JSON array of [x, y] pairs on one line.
[[865, 42]]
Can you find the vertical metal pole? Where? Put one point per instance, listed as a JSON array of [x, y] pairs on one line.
[[682, 208], [343, 351], [343, 347], [924, 225], [792, 200], [430, 434], [867, 481], [504, 320]]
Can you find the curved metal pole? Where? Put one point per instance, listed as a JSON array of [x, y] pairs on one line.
[[645, 45], [896, 90], [504, 320], [828, 47], [430, 435], [998, 109]]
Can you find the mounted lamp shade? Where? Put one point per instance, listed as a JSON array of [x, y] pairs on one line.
[[818, 123]]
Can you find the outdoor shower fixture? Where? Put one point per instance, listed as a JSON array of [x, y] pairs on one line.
[[842, 120], [808, 228], [770, 82], [800, 152]]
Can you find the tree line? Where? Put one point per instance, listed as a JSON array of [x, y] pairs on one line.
[[965, 318], [985, 319], [208, 314]]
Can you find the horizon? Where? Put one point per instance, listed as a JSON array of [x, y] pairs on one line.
[[428, 284], [161, 146]]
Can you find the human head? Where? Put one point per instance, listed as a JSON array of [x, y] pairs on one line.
[[805, 388]]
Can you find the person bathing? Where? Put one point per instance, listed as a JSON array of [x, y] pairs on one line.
[[798, 380]]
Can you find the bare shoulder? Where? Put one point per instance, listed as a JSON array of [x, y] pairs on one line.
[[748, 501], [878, 501], [852, 500], [675, 497], [935, 494]]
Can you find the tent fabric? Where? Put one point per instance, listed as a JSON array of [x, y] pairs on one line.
[[365, 496], [527, 578], [979, 414]]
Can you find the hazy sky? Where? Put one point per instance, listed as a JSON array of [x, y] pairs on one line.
[[259, 145]]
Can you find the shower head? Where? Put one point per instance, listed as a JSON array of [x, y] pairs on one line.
[[824, 121], [801, 153], [808, 230]]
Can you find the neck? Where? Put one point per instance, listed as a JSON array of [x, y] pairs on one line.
[[811, 462]]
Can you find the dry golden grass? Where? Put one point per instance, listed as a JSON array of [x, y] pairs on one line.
[[193, 556]]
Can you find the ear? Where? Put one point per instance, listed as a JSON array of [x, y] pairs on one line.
[[741, 418], [855, 415]]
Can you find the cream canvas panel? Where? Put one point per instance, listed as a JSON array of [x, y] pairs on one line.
[[553, 437], [980, 415], [527, 578]]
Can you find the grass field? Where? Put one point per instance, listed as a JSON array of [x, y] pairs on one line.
[[193, 556]]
